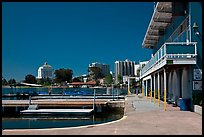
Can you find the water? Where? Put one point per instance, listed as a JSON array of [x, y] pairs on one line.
[[42, 122], [33, 122], [44, 90]]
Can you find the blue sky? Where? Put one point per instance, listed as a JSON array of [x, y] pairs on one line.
[[71, 35]]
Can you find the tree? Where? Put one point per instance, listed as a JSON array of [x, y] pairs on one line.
[[119, 79], [44, 81], [63, 75], [108, 79], [12, 81], [30, 79], [76, 80], [95, 73], [4, 82]]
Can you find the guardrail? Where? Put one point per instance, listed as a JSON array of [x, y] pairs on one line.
[[172, 50]]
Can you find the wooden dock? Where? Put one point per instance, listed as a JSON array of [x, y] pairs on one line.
[[53, 102], [57, 111]]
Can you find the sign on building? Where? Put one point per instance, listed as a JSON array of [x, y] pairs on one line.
[[197, 74], [197, 85]]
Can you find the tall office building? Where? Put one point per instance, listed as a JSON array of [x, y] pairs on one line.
[[105, 68], [124, 68], [45, 71]]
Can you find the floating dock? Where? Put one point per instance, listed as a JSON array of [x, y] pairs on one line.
[[58, 111]]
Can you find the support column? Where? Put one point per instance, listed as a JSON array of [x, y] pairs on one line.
[[151, 89], [142, 87], [164, 90], [146, 89], [128, 86], [154, 90], [170, 86], [158, 90]]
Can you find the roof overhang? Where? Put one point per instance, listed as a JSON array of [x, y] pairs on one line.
[[161, 18]]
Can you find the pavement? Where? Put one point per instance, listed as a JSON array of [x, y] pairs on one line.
[[142, 117]]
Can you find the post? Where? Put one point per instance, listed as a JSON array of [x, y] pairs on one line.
[[117, 94], [112, 92], [142, 88], [154, 89], [164, 90], [29, 100], [146, 89], [151, 89], [128, 86], [94, 99], [158, 90]]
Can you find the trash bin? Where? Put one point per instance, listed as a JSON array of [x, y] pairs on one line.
[[185, 104]]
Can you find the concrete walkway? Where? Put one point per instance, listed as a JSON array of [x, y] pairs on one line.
[[142, 117]]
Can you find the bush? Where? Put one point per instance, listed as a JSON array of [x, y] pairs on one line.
[[197, 98]]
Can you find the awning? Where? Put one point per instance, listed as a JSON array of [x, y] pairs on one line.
[[161, 18]]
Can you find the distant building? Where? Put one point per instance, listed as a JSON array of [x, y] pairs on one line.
[[124, 68], [45, 71], [105, 68]]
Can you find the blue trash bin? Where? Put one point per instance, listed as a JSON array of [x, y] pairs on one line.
[[185, 104]]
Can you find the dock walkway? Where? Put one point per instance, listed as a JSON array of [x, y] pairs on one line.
[[142, 117], [58, 111]]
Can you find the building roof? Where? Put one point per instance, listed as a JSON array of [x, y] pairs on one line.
[[161, 18], [46, 65]]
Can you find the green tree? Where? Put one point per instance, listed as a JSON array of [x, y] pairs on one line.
[[119, 79], [76, 80], [30, 79], [4, 82], [95, 73], [108, 79], [63, 75], [45, 81], [12, 81]]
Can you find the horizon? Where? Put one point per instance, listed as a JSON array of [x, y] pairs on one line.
[[71, 35]]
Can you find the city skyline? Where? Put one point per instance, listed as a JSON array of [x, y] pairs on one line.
[[71, 35]]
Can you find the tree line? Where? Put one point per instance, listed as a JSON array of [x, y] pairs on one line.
[[63, 76]]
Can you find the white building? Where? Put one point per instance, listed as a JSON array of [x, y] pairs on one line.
[[45, 71]]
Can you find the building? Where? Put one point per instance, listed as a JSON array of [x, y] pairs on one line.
[[45, 71], [124, 68], [138, 68], [105, 68], [174, 72]]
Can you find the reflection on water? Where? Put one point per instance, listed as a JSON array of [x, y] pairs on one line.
[[29, 122]]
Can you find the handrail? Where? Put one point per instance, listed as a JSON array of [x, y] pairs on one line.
[[162, 52]]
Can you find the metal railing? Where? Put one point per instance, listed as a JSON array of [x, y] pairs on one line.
[[172, 50]]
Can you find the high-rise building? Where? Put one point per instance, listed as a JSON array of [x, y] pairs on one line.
[[45, 71], [105, 68], [124, 68]]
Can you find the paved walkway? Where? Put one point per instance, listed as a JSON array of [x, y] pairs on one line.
[[142, 117]]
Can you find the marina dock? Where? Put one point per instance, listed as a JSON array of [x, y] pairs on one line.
[[58, 111]]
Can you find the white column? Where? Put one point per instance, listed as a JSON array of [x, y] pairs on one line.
[[154, 89], [164, 90]]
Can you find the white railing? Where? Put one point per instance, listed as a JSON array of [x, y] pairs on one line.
[[169, 53]]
